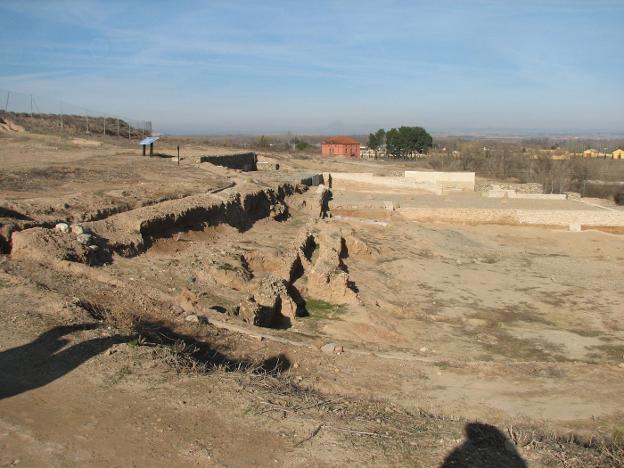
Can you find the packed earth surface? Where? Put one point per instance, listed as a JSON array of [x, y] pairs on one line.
[[158, 311]]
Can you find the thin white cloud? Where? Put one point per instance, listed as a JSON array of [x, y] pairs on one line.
[[320, 61]]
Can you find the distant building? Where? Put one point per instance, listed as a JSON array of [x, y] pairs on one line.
[[618, 154], [591, 153], [560, 156], [341, 146], [367, 153]]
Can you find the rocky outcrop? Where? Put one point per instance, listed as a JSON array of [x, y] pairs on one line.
[[273, 292], [313, 264], [250, 311], [271, 305], [327, 276]]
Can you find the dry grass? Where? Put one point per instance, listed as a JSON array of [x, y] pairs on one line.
[[405, 438], [570, 449], [120, 319], [417, 437]]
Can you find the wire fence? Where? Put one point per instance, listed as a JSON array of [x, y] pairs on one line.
[[39, 113]]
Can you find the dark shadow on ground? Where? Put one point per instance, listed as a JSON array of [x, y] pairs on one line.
[[163, 155], [47, 358], [43, 360], [485, 447], [10, 213], [204, 353]]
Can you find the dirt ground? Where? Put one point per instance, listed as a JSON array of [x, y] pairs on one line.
[[221, 318]]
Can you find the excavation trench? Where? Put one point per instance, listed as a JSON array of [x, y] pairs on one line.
[[132, 233], [258, 269]]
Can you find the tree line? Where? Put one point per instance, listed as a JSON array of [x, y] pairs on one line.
[[403, 142]]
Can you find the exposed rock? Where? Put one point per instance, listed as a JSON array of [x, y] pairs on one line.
[[327, 279], [62, 227], [194, 318], [356, 245], [573, 195], [84, 239], [329, 348], [279, 263], [177, 309], [187, 299], [317, 257], [279, 212], [252, 312], [520, 188], [288, 262], [272, 292], [41, 243], [77, 229]]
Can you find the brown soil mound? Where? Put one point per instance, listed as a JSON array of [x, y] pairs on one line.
[[7, 125]]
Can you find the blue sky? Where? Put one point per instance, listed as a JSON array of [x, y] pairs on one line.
[[324, 66]]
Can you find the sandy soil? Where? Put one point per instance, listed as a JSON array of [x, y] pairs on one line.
[[138, 354]]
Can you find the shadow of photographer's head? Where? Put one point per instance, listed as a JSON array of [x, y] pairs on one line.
[[485, 447]]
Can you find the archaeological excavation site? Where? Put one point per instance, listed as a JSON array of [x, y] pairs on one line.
[[270, 308]]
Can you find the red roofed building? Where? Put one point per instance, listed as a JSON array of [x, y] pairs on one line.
[[341, 146]]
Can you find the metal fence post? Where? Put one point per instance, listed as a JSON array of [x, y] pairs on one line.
[[27, 105]]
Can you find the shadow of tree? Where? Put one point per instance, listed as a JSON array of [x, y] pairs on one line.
[[485, 447], [46, 359], [40, 362], [203, 353]]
